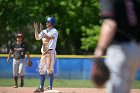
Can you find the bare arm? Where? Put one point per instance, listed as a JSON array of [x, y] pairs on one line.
[[10, 53], [49, 37], [28, 56], [36, 31], [108, 31]]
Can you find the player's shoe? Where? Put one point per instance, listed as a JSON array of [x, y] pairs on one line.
[[22, 84], [49, 88], [38, 90], [15, 86]]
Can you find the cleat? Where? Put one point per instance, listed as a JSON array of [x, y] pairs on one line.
[[16, 86], [49, 88], [39, 90]]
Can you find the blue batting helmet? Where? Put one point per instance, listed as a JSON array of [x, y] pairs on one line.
[[51, 20]]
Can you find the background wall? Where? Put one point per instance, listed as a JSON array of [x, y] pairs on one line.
[[66, 67]]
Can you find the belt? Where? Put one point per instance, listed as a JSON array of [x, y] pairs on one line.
[[19, 58]]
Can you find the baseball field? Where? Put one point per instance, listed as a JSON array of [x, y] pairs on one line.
[[64, 86], [69, 85]]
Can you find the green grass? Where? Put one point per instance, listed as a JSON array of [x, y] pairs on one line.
[[136, 84], [58, 83]]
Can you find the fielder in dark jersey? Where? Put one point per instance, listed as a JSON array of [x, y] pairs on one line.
[[126, 13], [19, 49], [120, 35]]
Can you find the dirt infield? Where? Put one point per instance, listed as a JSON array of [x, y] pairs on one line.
[[63, 90]]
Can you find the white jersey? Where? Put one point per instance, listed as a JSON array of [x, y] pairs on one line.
[[51, 43]]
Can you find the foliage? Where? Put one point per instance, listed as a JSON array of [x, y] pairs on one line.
[[77, 23]]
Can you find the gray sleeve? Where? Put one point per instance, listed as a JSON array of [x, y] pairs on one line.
[[107, 8]]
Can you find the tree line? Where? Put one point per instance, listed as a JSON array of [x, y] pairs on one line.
[[77, 22]]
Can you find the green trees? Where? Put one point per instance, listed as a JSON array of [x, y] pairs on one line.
[[77, 22]]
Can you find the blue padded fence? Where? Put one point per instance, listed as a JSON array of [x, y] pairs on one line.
[[65, 68]]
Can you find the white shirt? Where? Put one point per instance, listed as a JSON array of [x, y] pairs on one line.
[[52, 43]]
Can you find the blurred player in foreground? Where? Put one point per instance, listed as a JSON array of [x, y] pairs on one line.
[[49, 39], [19, 49], [120, 35]]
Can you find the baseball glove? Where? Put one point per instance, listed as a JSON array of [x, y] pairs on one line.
[[100, 73], [29, 64]]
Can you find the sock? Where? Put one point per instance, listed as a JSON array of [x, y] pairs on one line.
[[42, 80], [16, 79], [22, 79], [51, 77]]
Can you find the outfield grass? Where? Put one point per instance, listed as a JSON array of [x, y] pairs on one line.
[[59, 83]]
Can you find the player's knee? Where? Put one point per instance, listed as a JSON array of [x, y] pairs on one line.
[[15, 73], [48, 67], [21, 73], [50, 71], [42, 72]]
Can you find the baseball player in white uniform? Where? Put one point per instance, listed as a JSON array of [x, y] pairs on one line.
[[49, 39]]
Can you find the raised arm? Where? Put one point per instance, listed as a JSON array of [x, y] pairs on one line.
[[36, 31]]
